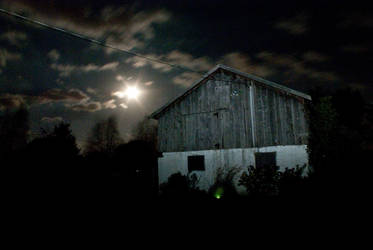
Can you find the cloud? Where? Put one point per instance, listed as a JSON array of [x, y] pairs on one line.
[[244, 63], [54, 55], [119, 78], [59, 95], [6, 56], [313, 56], [8, 101], [91, 91], [293, 67], [123, 105], [121, 26], [355, 48], [174, 57], [74, 99], [14, 37], [87, 107], [109, 104], [56, 119], [295, 26], [186, 79], [355, 20], [67, 69]]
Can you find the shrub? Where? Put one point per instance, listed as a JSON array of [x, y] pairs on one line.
[[261, 182], [224, 188]]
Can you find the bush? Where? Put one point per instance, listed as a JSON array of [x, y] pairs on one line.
[[179, 187], [261, 182], [224, 188], [268, 181]]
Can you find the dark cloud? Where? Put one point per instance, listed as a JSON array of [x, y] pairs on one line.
[[315, 57], [243, 62], [6, 56], [295, 26], [8, 101], [14, 37], [355, 48], [121, 26], [294, 68]]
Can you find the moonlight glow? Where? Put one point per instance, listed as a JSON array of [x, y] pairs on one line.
[[132, 92]]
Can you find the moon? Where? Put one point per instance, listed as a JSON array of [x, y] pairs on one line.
[[132, 92]]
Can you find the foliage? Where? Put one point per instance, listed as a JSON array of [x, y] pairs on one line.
[[181, 187], [261, 182], [224, 188], [338, 134], [269, 181], [293, 182], [53, 149], [104, 137], [323, 134], [14, 129]]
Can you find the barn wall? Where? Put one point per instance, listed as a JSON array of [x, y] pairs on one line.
[[218, 115], [177, 162]]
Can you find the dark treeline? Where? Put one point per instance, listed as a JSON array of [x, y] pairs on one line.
[[52, 167]]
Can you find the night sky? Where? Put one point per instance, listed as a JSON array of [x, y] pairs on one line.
[[62, 78]]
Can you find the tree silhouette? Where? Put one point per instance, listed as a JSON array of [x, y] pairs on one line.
[[14, 129], [146, 130], [104, 137]]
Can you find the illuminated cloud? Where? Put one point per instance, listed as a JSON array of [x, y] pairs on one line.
[[67, 70], [119, 78], [174, 57], [54, 55], [57, 119], [86, 107], [59, 95], [109, 104], [186, 79], [123, 105]]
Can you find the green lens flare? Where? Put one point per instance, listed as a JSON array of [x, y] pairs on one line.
[[219, 192]]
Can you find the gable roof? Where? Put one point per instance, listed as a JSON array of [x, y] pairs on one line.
[[196, 84]]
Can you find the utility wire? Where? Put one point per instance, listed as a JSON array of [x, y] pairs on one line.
[[91, 40]]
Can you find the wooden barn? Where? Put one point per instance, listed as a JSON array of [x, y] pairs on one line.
[[231, 119]]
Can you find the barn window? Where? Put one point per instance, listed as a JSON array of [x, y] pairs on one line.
[[196, 163], [265, 159]]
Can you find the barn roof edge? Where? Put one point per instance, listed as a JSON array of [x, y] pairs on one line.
[[196, 84]]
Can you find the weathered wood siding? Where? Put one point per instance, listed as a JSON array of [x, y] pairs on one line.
[[218, 115]]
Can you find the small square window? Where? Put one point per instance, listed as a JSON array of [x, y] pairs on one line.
[[196, 163], [265, 159]]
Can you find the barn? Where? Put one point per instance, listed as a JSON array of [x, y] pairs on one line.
[[231, 119]]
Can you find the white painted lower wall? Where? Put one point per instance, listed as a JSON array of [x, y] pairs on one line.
[[174, 162]]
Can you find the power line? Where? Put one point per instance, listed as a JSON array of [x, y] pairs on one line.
[[91, 40]]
